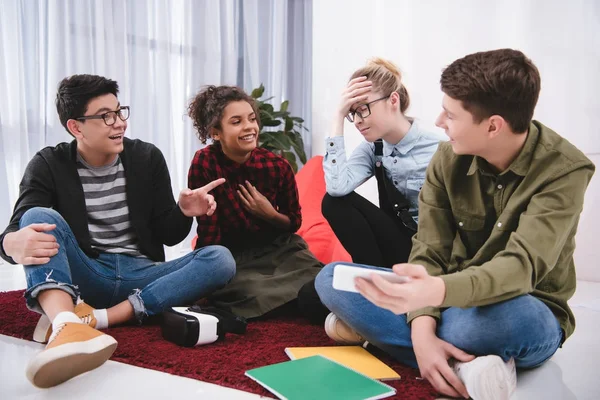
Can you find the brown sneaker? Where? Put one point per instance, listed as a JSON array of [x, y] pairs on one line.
[[340, 332], [72, 350], [43, 329]]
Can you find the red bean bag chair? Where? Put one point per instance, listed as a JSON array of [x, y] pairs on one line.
[[315, 229]]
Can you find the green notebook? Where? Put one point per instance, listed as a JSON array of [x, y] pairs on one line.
[[318, 378]]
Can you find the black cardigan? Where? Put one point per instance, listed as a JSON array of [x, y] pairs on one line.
[[51, 180]]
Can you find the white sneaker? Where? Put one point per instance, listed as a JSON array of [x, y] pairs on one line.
[[340, 332], [488, 377]]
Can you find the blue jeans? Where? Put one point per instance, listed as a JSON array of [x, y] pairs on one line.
[[522, 328], [151, 287]]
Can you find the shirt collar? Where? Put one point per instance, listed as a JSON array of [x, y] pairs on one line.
[[228, 162], [474, 166], [406, 144], [520, 165]]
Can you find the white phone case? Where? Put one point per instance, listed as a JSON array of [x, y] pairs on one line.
[[344, 275]]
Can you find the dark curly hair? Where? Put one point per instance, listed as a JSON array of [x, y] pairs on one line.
[[206, 109]]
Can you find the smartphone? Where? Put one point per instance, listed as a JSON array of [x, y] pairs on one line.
[[344, 275]]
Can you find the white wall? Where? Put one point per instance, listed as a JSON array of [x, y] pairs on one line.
[[422, 37]]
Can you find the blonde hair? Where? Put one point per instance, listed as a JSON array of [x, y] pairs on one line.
[[386, 78]]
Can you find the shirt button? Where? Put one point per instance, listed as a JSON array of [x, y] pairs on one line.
[[333, 161], [499, 224], [460, 223], [395, 161], [499, 186]]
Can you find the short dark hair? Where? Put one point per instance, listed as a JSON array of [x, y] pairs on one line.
[[499, 82], [206, 109], [75, 93]]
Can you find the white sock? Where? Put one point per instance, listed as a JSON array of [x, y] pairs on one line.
[[101, 318], [64, 317]]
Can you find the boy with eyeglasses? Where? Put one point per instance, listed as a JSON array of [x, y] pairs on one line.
[[491, 268], [91, 220]]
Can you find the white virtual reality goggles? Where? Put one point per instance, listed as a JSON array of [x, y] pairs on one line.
[[196, 325]]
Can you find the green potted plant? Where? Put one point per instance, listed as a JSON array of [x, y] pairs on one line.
[[280, 131]]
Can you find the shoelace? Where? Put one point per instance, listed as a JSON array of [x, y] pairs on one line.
[[86, 319], [56, 332]]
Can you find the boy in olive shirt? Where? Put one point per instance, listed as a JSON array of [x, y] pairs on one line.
[[491, 267]]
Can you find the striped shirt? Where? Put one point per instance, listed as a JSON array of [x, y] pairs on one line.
[[107, 211]]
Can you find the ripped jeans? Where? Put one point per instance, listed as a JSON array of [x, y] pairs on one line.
[[151, 287]]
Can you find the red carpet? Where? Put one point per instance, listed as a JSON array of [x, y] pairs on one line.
[[223, 363]]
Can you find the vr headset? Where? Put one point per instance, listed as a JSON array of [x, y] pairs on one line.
[[196, 325]]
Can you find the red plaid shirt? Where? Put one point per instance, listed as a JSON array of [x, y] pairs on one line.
[[231, 224]]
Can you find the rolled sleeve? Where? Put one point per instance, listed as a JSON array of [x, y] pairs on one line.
[[343, 175], [335, 145], [429, 311]]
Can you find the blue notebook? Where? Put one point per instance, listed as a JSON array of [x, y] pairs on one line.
[[318, 378]]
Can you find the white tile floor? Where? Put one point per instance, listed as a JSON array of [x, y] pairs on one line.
[[571, 374]]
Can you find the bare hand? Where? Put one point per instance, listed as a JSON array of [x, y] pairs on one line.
[[30, 245], [432, 357], [198, 202], [422, 290], [356, 91], [255, 202]]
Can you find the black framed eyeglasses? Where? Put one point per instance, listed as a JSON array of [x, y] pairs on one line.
[[109, 117], [363, 111]]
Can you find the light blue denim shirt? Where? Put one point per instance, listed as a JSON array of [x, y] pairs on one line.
[[404, 164]]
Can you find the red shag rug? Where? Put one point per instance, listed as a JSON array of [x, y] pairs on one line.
[[222, 363]]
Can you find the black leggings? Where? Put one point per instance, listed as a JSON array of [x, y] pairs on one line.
[[370, 235]]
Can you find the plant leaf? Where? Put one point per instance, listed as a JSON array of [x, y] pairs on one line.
[[268, 108], [264, 141], [287, 141], [298, 146], [258, 92], [280, 114], [289, 124], [291, 158], [281, 141], [270, 122]]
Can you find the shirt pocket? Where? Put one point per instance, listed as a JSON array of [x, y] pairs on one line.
[[471, 230], [415, 184]]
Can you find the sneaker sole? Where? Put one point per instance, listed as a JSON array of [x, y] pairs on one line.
[[329, 327], [42, 330], [59, 364]]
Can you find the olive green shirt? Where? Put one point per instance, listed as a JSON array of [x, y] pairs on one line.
[[492, 237]]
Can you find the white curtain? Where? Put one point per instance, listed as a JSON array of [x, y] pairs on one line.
[[423, 37], [161, 52]]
